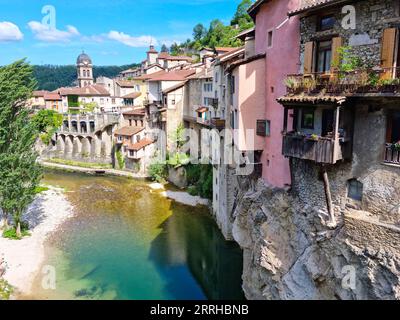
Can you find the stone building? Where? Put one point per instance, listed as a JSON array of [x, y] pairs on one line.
[[85, 70], [340, 218]]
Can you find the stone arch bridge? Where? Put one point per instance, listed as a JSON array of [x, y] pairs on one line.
[[86, 138]]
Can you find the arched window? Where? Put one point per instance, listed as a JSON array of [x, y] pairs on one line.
[[88, 73], [355, 189]]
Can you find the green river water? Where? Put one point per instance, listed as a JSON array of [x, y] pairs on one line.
[[127, 241]]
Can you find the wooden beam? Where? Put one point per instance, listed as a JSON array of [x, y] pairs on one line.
[[332, 220], [336, 135]]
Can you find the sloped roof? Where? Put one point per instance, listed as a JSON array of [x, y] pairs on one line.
[[202, 109], [176, 75], [128, 131], [206, 73], [126, 83], [225, 49], [137, 112], [312, 99], [141, 144], [52, 96], [175, 87], [133, 95], [93, 90], [314, 4], [167, 56]]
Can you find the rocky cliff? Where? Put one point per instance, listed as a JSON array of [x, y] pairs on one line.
[[291, 253]]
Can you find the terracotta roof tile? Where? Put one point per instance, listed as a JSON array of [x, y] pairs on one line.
[[39, 93], [177, 75], [128, 131], [311, 99], [52, 96], [141, 144], [93, 90], [133, 95], [137, 112]]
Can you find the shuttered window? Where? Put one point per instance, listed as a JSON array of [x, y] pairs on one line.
[[388, 52], [337, 43], [308, 57]]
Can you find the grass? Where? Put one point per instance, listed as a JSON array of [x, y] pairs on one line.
[[6, 290], [12, 234], [80, 164], [40, 189]]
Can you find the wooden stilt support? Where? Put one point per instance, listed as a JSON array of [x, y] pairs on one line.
[[332, 220]]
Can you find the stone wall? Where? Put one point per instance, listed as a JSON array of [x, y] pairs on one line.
[[372, 17], [290, 251]]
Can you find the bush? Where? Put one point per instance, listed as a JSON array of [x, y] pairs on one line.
[[200, 179], [158, 172], [120, 159], [6, 290], [193, 191], [12, 232]]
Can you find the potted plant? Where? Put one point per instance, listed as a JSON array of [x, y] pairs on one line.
[[397, 146], [314, 137]]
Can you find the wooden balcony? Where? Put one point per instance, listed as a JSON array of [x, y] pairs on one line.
[[218, 123], [392, 154], [322, 150], [360, 82]]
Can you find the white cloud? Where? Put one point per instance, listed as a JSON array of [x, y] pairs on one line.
[[45, 33], [137, 42], [10, 32]]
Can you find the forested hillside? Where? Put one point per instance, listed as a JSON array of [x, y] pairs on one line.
[[52, 77]]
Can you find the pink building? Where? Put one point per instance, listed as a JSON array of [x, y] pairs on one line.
[[278, 37]]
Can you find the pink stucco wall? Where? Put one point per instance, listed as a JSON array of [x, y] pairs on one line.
[[250, 95], [281, 59]]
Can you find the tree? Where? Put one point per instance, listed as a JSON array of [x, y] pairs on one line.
[[199, 31], [164, 48], [20, 173], [241, 16], [47, 123], [175, 49]]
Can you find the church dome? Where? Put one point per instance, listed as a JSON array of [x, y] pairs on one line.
[[83, 58]]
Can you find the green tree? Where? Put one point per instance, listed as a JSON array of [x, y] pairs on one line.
[[164, 48], [47, 123], [241, 16], [20, 173], [199, 31]]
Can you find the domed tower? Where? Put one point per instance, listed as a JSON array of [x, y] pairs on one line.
[[85, 70]]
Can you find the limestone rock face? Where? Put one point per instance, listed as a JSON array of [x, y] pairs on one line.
[[290, 253]]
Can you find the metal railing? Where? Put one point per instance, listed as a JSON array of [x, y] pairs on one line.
[[392, 154]]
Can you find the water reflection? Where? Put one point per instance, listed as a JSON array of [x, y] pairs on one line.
[[127, 242]]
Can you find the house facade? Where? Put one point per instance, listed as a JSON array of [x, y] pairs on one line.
[[341, 123]]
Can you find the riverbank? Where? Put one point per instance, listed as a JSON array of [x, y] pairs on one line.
[[182, 197], [23, 258], [93, 171]]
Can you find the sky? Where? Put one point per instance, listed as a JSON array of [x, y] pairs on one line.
[[112, 32]]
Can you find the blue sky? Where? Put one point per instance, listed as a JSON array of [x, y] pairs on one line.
[[112, 32]]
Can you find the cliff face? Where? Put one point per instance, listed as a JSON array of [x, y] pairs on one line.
[[290, 253]]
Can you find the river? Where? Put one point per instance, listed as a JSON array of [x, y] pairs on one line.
[[127, 241]]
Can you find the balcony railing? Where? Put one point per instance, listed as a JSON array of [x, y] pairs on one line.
[[392, 154], [357, 82], [320, 150]]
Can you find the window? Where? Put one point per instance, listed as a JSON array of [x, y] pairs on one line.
[[264, 128], [113, 100], [393, 127], [307, 119], [270, 38], [233, 85], [173, 102], [119, 138], [326, 23], [324, 56], [101, 100], [355, 189]]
